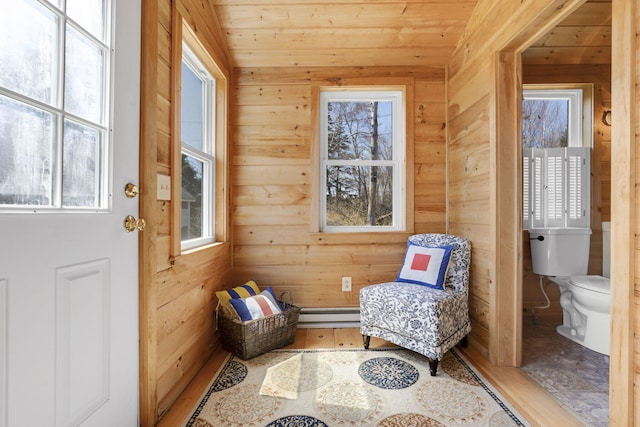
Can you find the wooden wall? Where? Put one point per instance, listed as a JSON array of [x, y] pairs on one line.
[[482, 76], [273, 231], [483, 162], [624, 398], [177, 291], [632, 345], [600, 77]]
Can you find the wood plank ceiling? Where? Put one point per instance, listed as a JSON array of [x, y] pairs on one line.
[[582, 38], [305, 33], [316, 33]]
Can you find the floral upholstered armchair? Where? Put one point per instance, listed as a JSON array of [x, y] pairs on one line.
[[426, 309]]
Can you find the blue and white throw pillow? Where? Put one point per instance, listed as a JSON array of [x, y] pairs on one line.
[[425, 265], [256, 306]]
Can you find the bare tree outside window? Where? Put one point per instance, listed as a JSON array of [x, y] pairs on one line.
[[359, 195], [545, 123]]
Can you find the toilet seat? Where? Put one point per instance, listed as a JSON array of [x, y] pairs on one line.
[[597, 284]]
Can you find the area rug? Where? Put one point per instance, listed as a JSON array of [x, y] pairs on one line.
[[326, 388]]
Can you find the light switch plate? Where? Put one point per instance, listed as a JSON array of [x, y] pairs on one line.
[[164, 187]]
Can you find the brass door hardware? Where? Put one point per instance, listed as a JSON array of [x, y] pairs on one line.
[[131, 224], [131, 190]]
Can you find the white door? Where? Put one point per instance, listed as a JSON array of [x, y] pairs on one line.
[[69, 280]]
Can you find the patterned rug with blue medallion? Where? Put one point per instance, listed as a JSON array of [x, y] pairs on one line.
[[378, 387]]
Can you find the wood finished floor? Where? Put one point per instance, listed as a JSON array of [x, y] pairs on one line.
[[535, 404]]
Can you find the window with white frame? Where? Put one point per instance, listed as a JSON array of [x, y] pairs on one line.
[[557, 134], [362, 156], [197, 132], [55, 74]]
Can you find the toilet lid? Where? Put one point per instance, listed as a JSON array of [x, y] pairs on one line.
[[593, 283]]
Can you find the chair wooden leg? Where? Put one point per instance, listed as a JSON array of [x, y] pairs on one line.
[[433, 367], [366, 339], [464, 342]]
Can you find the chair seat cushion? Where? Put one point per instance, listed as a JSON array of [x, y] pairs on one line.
[[426, 320]]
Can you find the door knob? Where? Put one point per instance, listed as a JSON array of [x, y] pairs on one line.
[[131, 223], [131, 190]]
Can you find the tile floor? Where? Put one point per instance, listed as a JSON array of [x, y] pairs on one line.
[[573, 374]]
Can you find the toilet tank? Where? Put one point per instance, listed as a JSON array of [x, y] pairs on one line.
[[560, 251]]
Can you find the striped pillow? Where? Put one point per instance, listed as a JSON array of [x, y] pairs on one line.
[[248, 289], [257, 306]]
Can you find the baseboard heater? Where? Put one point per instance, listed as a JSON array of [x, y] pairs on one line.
[[327, 317]]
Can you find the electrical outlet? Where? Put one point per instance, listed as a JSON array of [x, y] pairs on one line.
[[346, 284]]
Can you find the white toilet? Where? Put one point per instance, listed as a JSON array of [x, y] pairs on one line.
[[562, 254]]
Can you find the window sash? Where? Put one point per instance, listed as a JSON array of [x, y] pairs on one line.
[[203, 151], [80, 109], [207, 186], [580, 108], [396, 163]]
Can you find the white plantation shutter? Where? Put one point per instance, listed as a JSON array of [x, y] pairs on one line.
[[556, 187], [526, 205], [538, 190], [578, 194]]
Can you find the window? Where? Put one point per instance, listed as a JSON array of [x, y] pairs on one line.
[[197, 132], [362, 157], [557, 116], [54, 105], [557, 134]]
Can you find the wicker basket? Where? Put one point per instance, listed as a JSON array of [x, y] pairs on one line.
[[255, 337]]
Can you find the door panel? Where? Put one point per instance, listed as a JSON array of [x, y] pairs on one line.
[[69, 286], [82, 340]]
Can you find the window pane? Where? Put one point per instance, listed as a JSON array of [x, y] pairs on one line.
[[358, 195], [192, 102], [84, 77], [89, 14], [545, 123], [26, 160], [359, 130], [192, 189], [29, 53], [81, 166]]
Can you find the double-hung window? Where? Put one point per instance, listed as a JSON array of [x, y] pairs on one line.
[[362, 158], [197, 132], [55, 60], [557, 134]]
